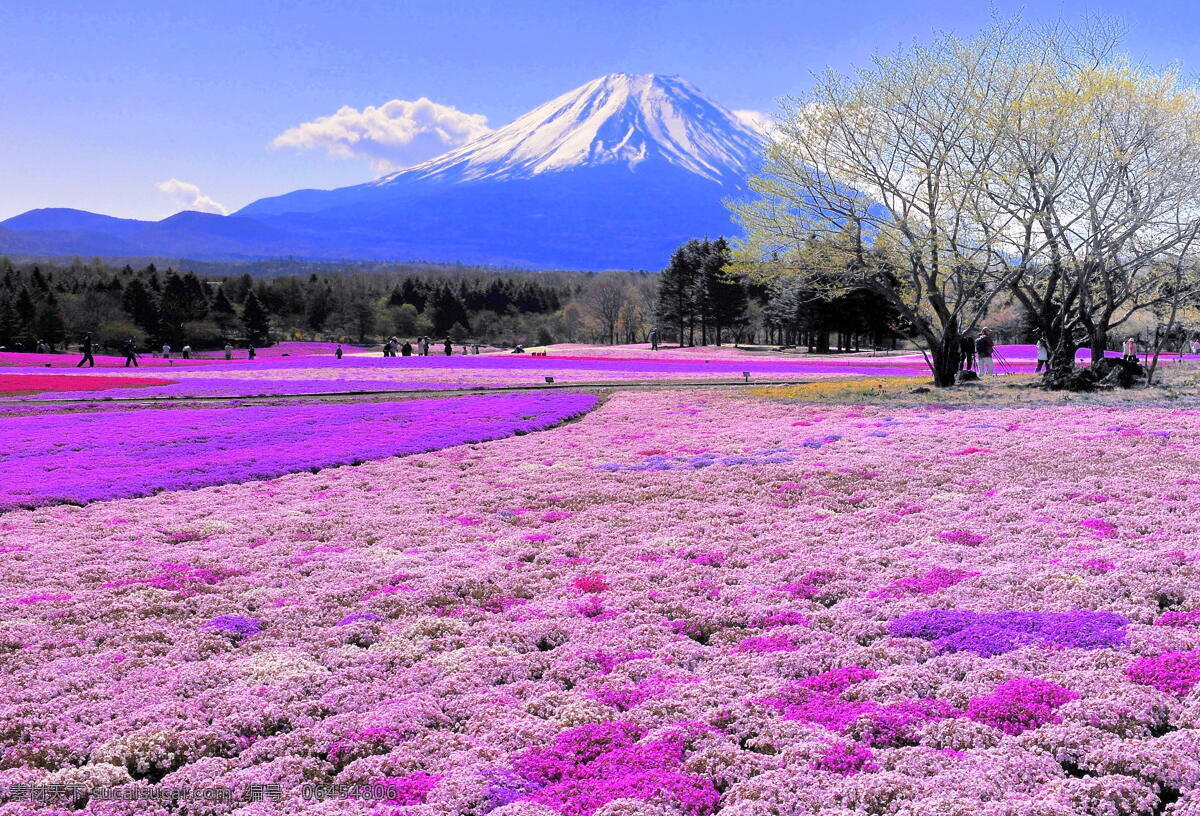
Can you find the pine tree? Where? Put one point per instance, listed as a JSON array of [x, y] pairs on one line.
[[255, 320], [412, 291], [38, 281], [725, 295], [223, 313], [26, 318], [677, 286], [447, 310], [318, 309], [138, 303], [197, 297], [174, 309], [50, 324], [8, 323], [221, 304]]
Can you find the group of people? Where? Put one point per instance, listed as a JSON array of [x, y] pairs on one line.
[[979, 350], [128, 349], [983, 350], [392, 347], [979, 353]]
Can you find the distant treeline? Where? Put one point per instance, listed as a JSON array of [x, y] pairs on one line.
[[694, 301]]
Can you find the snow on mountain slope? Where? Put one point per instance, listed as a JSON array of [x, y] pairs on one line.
[[616, 119]]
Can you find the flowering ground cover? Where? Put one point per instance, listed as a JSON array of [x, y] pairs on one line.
[[686, 603], [241, 386], [81, 457], [306, 375], [197, 359], [19, 359], [20, 384]]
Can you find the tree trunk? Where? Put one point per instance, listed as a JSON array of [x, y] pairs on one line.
[[946, 359], [1062, 355]]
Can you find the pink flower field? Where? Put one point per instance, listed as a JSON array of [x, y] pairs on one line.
[[684, 603], [307, 371]]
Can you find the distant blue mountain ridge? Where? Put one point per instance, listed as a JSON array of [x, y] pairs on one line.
[[612, 175]]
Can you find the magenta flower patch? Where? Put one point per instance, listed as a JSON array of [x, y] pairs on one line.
[[1101, 528], [936, 579], [965, 538], [846, 760], [591, 765], [409, 790], [1172, 672], [1020, 705]]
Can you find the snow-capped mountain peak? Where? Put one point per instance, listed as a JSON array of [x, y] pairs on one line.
[[619, 119]]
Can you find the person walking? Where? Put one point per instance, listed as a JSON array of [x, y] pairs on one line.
[[187, 352], [166, 351], [654, 339], [1129, 350], [127, 348], [983, 350], [474, 348], [406, 349], [228, 351], [250, 353], [85, 347], [338, 353], [1043, 354], [447, 347], [1196, 346], [423, 344]]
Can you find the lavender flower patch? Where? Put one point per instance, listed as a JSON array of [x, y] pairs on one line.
[[84, 457], [699, 461]]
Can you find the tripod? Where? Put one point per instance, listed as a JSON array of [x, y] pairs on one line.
[[999, 358]]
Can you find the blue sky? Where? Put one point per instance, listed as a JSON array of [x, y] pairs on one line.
[[103, 104]]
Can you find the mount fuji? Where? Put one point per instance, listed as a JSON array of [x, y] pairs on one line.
[[613, 174]]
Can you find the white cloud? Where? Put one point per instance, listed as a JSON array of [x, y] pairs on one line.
[[189, 197], [758, 121], [395, 135]]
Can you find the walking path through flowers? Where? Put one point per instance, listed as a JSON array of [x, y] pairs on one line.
[[686, 602]]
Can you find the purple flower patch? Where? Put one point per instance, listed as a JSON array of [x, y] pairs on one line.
[[237, 626], [993, 633]]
